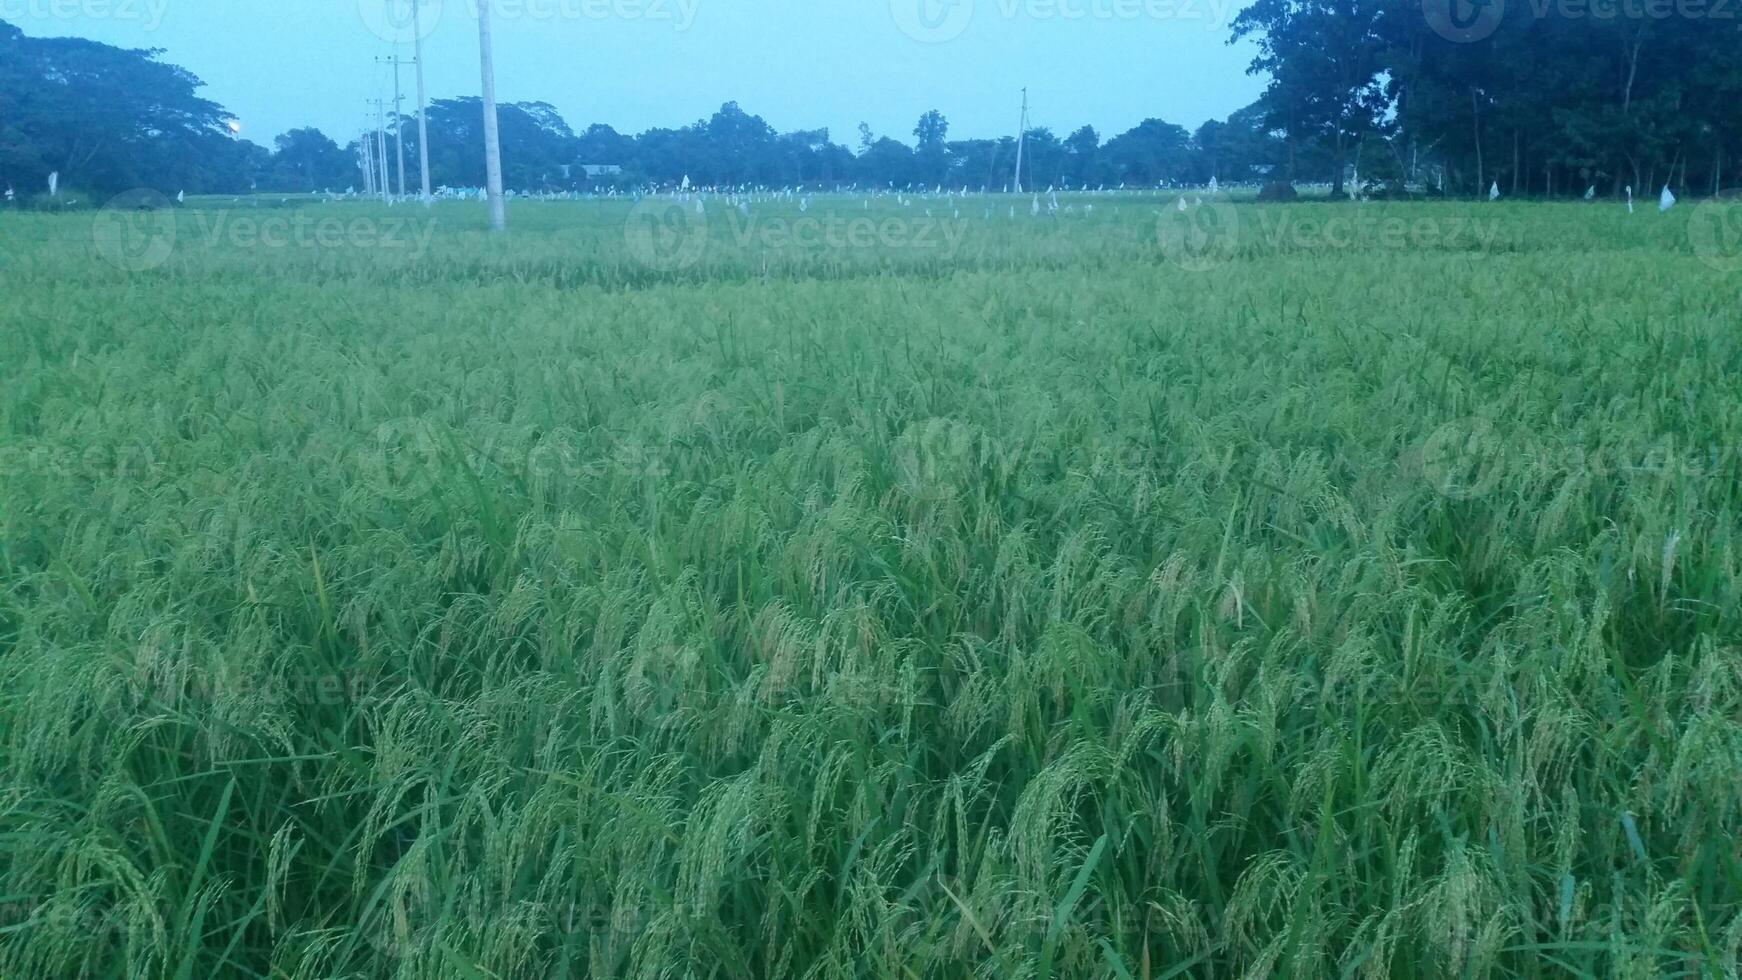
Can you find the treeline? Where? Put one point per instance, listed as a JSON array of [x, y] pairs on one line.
[[735, 147], [1543, 97], [109, 120]]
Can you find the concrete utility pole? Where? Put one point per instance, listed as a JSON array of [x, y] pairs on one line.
[[381, 146], [398, 119], [422, 103], [366, 160], [492, 137], [1021, 140]]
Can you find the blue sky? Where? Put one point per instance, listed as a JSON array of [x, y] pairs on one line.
[[637, 64]]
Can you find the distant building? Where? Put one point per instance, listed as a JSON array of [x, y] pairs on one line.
[[595, 170]]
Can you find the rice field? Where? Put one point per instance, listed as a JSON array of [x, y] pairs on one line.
[[898, 588]]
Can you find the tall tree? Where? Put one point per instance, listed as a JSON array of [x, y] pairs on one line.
[[536, 144], [1155, 152], [1325, 59], [933, 161], [306, 160], [108, 119], [1084, 147]]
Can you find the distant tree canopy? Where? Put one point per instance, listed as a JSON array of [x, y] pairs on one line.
[[306, 160], [106, 118], [1541, 98]]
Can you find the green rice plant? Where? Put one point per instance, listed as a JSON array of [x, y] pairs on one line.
[[1356, 597]]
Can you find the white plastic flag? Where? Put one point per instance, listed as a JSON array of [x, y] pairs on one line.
[[1214, 187], [1629, 198], [1494, 192], [1591, 193], [686, 182], [1182, 206], [181, 197], [1665, 202], [54, 184]]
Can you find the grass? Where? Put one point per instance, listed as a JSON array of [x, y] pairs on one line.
[[1036, 607]]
